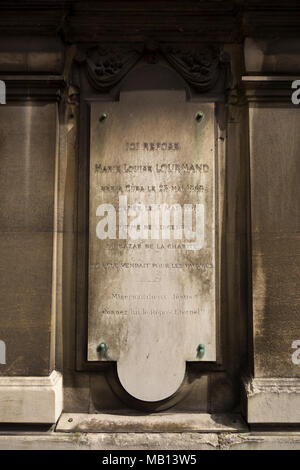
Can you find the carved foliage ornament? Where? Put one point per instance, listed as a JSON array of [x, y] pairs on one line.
[[200, 65], [106, 66]]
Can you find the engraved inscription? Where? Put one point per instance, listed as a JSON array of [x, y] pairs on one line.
[[152, 266]]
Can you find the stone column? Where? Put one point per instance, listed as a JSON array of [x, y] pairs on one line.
[[30, 387], [273, 392]]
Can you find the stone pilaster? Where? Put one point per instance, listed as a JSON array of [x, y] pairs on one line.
[[273, 393], [30, 387]]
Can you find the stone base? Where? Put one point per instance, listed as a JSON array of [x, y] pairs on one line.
[[152, 441], [272, 401], [31, 399], [147, 423]]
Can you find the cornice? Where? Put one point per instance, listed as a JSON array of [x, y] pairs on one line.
[[96, 21], [33, 87], [268, 88], [91, 21]]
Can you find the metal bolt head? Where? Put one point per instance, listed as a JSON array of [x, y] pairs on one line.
[[200, 350], [199, 116], [102, 348], [103, 117]]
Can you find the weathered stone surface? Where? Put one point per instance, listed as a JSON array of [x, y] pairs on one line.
[[272, 55], [153, 441], [76, 392], [275, 196], [260, 441], [152, 296], [28, 154], [273, 400], [25, 302], [26, 193], [28, 147], [111, 441], [158, 422], [31, 399], [31, 55]]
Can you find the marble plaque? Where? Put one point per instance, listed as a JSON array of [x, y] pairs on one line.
[[152, 238]]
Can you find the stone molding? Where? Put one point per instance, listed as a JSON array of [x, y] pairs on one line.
[[152, 441], [156, 422], [33, 87], [31, 399], [268, 88], [272, 400]]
